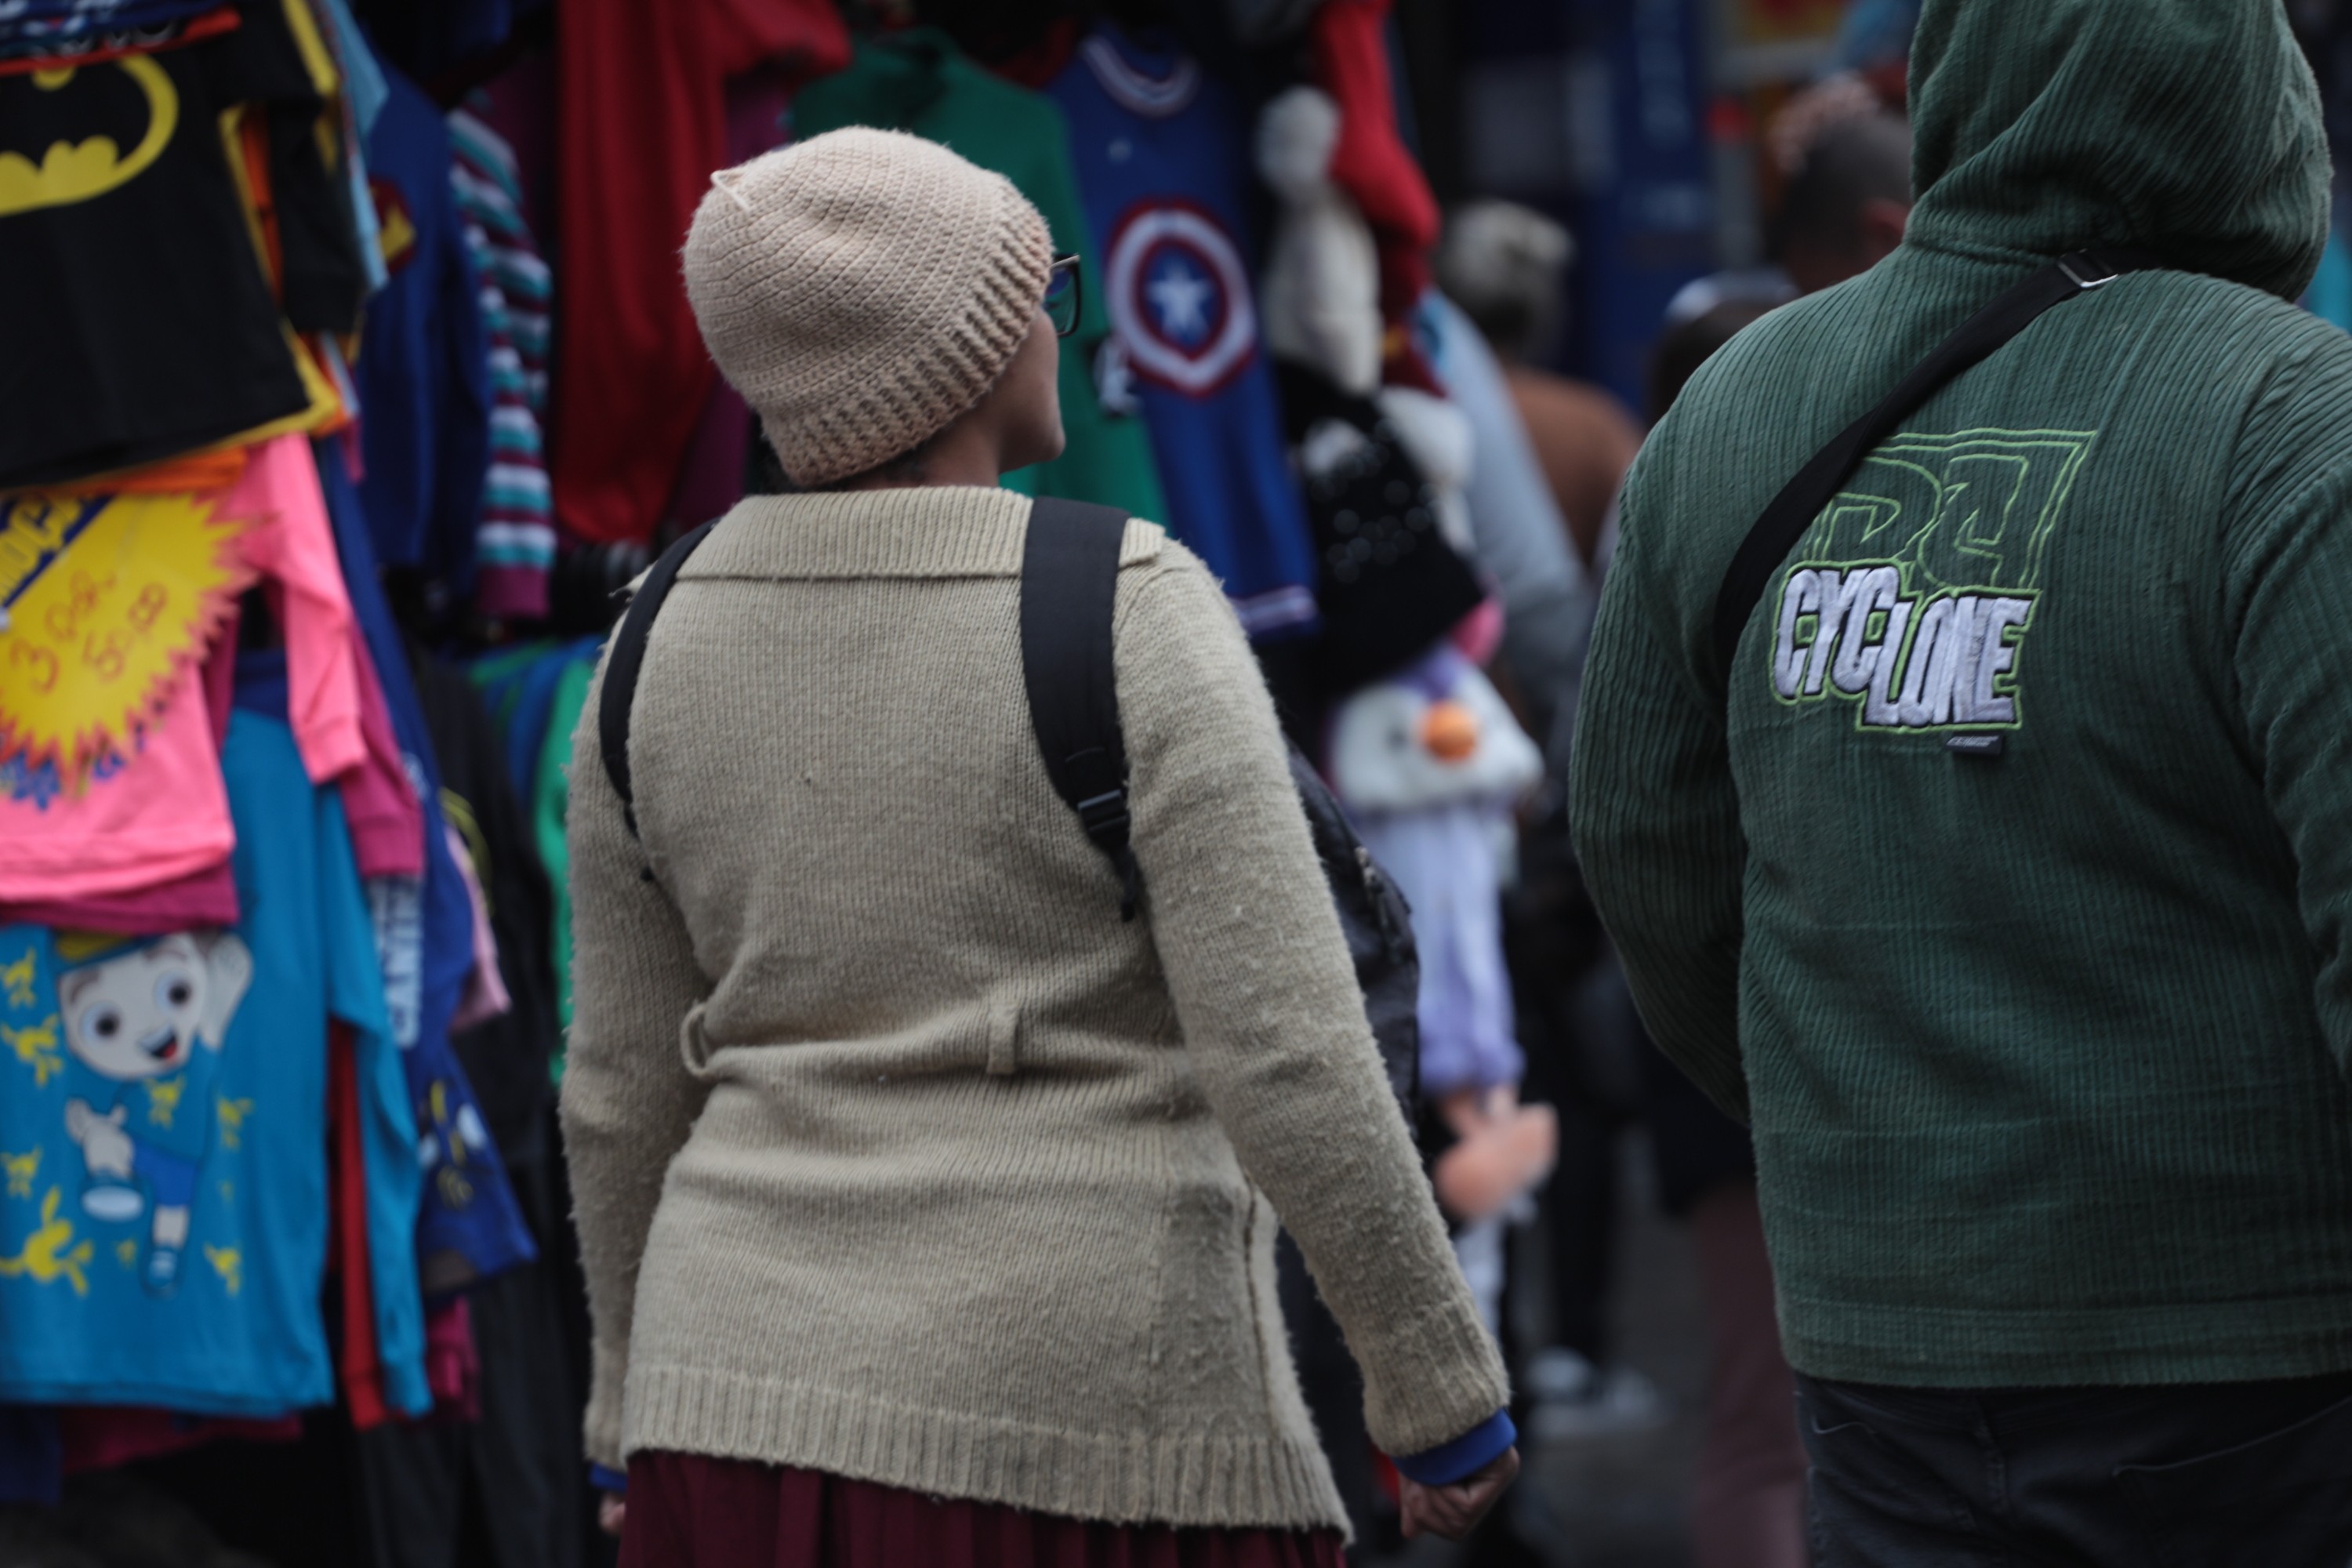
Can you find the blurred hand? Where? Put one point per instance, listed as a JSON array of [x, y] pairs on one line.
[[610, 1512], [1496, 1160], [1453, 1511]]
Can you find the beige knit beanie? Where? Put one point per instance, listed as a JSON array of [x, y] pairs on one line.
[[861, 290]]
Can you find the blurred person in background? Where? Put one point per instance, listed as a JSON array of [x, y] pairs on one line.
[[1504, 266], [1844, 210], [1748, 1504], [1847, 162]]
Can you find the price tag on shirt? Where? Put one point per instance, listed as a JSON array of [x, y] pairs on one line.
[[106, 599]]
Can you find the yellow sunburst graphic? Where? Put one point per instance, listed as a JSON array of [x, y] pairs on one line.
[[106, 599]]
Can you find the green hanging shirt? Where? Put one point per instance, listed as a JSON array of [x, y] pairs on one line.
[[918, 81], [550, 794], [2045, 1052]]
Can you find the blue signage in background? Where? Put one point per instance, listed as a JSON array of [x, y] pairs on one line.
[[1594, 111]]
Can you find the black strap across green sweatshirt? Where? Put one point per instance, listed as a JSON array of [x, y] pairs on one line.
[[2045, 1051]]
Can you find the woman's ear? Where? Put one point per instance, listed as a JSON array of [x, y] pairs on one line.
[[1029, 395]]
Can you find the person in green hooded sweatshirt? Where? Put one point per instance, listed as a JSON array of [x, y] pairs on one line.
[[2046, 1045]]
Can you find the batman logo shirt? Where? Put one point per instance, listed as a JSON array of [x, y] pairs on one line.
[[143, 321]]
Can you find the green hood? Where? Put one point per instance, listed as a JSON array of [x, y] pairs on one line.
[[2188, 127]]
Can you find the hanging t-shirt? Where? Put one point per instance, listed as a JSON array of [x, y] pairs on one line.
[[470, 1228], [146, 325], [52, 27], [551, 802], [519, 686], [379, 800], [428, 39], [424, 373], [1163, 161], [534, 694], [387, 826], [424, 979], [157, 810], [643, 106], [164, 1226], [507, 1057], [363, 93]]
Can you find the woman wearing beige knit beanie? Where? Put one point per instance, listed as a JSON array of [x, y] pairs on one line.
[[927, 1206]]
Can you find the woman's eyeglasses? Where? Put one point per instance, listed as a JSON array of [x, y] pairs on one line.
[[1065, 295]]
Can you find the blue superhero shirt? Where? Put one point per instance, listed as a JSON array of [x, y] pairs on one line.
[[162, 1132], [1162, 164]]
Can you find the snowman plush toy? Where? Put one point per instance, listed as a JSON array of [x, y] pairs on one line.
[[1428, 764]]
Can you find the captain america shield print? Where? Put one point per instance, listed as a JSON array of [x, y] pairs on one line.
[[1180, 296]]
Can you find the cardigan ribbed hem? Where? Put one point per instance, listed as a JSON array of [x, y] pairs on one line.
[[1224, 1481]]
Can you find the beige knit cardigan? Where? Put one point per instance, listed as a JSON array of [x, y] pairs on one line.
[[896, 1153]]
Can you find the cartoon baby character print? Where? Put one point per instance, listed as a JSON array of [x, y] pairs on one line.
[[143, 1025]]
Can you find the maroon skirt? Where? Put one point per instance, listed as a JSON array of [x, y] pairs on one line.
[[686, 1510]]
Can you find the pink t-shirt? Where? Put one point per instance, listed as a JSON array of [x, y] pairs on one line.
[[387, 825], [162, 814]]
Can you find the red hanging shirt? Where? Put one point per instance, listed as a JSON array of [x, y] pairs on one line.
[[642, 125]]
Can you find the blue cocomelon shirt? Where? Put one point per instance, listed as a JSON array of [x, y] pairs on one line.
[[163, 1132]]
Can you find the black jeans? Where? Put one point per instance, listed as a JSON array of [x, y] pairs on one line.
[[2198, 1476]]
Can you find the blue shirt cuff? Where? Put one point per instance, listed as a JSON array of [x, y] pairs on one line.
[[608, 1481], [1465, 1456]]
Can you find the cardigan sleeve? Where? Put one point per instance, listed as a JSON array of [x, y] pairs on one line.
[[1266, 998], [628, 1099]]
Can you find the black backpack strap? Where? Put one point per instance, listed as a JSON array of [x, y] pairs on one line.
[[1792, 512], [628, 660], [1069, 573]]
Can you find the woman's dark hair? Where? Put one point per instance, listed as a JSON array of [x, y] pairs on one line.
[[905, 469]]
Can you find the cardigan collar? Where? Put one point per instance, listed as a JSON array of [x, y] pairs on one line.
[[931, 530]]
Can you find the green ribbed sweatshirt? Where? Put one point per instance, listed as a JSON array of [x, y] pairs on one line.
[[2045, 1052]]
